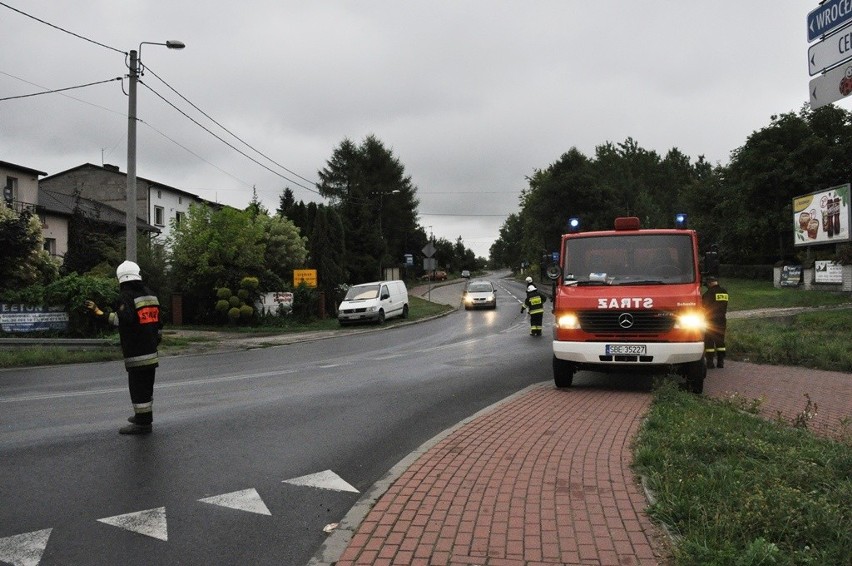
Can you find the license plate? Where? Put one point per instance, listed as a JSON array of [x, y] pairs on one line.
[[621, 349]]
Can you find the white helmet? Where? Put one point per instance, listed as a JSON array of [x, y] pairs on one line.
[[529, 280], [128, 271], [531, 288]]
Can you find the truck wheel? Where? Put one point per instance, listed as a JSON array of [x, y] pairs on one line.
[[563, 372], [405, 311], [381, 318], [695, 374]]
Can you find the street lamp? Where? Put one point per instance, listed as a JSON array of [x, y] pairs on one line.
[[381, 235], [135, 58]]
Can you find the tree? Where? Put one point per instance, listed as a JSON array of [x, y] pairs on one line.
[[212, 249], [285, 250], [23, 260], [376, 201], [327, 243]]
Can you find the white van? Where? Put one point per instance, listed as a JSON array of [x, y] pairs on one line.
[[373, 302]]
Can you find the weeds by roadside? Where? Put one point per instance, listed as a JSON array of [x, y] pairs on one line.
[[738, 489]]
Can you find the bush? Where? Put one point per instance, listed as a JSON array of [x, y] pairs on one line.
[[222, 306], [72, 291]]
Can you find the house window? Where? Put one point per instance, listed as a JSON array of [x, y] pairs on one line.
[[50, 246], [10, 191], [159, 194], [178, 218], [158, 216], [180, 200]]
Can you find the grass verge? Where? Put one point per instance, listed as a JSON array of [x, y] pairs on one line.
[[174, 344], [735, 489]]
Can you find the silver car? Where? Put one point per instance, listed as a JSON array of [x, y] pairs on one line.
[[480, 295]]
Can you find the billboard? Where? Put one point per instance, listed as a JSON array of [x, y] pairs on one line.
[[822, 217]]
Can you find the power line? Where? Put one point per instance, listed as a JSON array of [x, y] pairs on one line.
[[244, 154], [229, 131], [61, 29], [173, 106], [59, 89]]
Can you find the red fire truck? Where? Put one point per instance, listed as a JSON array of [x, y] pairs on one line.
[[628, 299]]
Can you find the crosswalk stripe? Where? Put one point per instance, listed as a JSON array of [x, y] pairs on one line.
[[323, 480], [151, 523], [245, 500], [24, 549]]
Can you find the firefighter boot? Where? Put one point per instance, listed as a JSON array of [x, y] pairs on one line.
[[140, 423], [709, 358], [720, 359]]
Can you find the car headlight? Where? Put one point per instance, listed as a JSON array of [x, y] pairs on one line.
[[691, 321], [568, 321], [491, 298], [372, 309], [467, 299]]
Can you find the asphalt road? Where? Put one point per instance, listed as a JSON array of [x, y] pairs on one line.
[[253, 452]]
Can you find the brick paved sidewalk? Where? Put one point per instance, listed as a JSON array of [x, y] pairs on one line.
[[543, 479]]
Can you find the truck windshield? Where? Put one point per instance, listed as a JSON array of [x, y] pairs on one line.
[[630, 259], [362, 293]]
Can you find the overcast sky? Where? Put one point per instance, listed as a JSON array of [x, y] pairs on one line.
[[471, 96]]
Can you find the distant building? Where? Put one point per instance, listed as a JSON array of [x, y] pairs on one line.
[[157, 204]]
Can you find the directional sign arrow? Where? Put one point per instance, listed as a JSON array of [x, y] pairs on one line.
[[832, 86], [833, 50], [828, 17]]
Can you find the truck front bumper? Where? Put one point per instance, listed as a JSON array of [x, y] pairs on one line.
[[656, 353]]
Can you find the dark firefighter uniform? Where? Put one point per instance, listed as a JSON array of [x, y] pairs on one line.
[[534, 303], [138, 320], [715, 301]]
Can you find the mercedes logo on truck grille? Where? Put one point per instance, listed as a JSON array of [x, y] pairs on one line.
[[625, 320]]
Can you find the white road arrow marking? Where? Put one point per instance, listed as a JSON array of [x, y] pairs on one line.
[[245, 500], [323, 480], [151, 523], [25, 549]]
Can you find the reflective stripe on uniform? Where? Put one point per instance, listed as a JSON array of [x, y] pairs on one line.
[[113, 318], [141, 361], [143, 407]]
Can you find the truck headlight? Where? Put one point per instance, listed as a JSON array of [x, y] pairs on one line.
[[690, 321], [568, 321]]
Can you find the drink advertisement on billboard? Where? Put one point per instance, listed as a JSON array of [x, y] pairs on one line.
[[822, 218]]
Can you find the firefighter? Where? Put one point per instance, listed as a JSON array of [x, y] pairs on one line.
[[715, 301], [138, 320], [534, 303]]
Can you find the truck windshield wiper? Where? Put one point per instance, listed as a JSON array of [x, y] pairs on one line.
[[641, 282]]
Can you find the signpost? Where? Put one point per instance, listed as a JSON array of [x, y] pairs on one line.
[[828, 17], [831, 86], [830, 52]]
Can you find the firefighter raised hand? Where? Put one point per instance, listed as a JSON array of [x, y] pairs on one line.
[[94, 308]]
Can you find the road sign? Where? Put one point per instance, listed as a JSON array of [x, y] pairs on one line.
[[833, 50], [833, 85], [306, 276], [830, 16], [428, 250]]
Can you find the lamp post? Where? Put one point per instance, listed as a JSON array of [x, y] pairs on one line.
[[381, 235], [135, 57]]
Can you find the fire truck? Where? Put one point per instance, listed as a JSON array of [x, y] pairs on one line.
[[628, 299]]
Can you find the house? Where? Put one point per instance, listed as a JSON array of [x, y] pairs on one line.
[[20, 186], [24, 192], [157, 204]]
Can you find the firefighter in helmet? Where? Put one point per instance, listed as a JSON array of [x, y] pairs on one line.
[[534, 303], [715, 301]]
